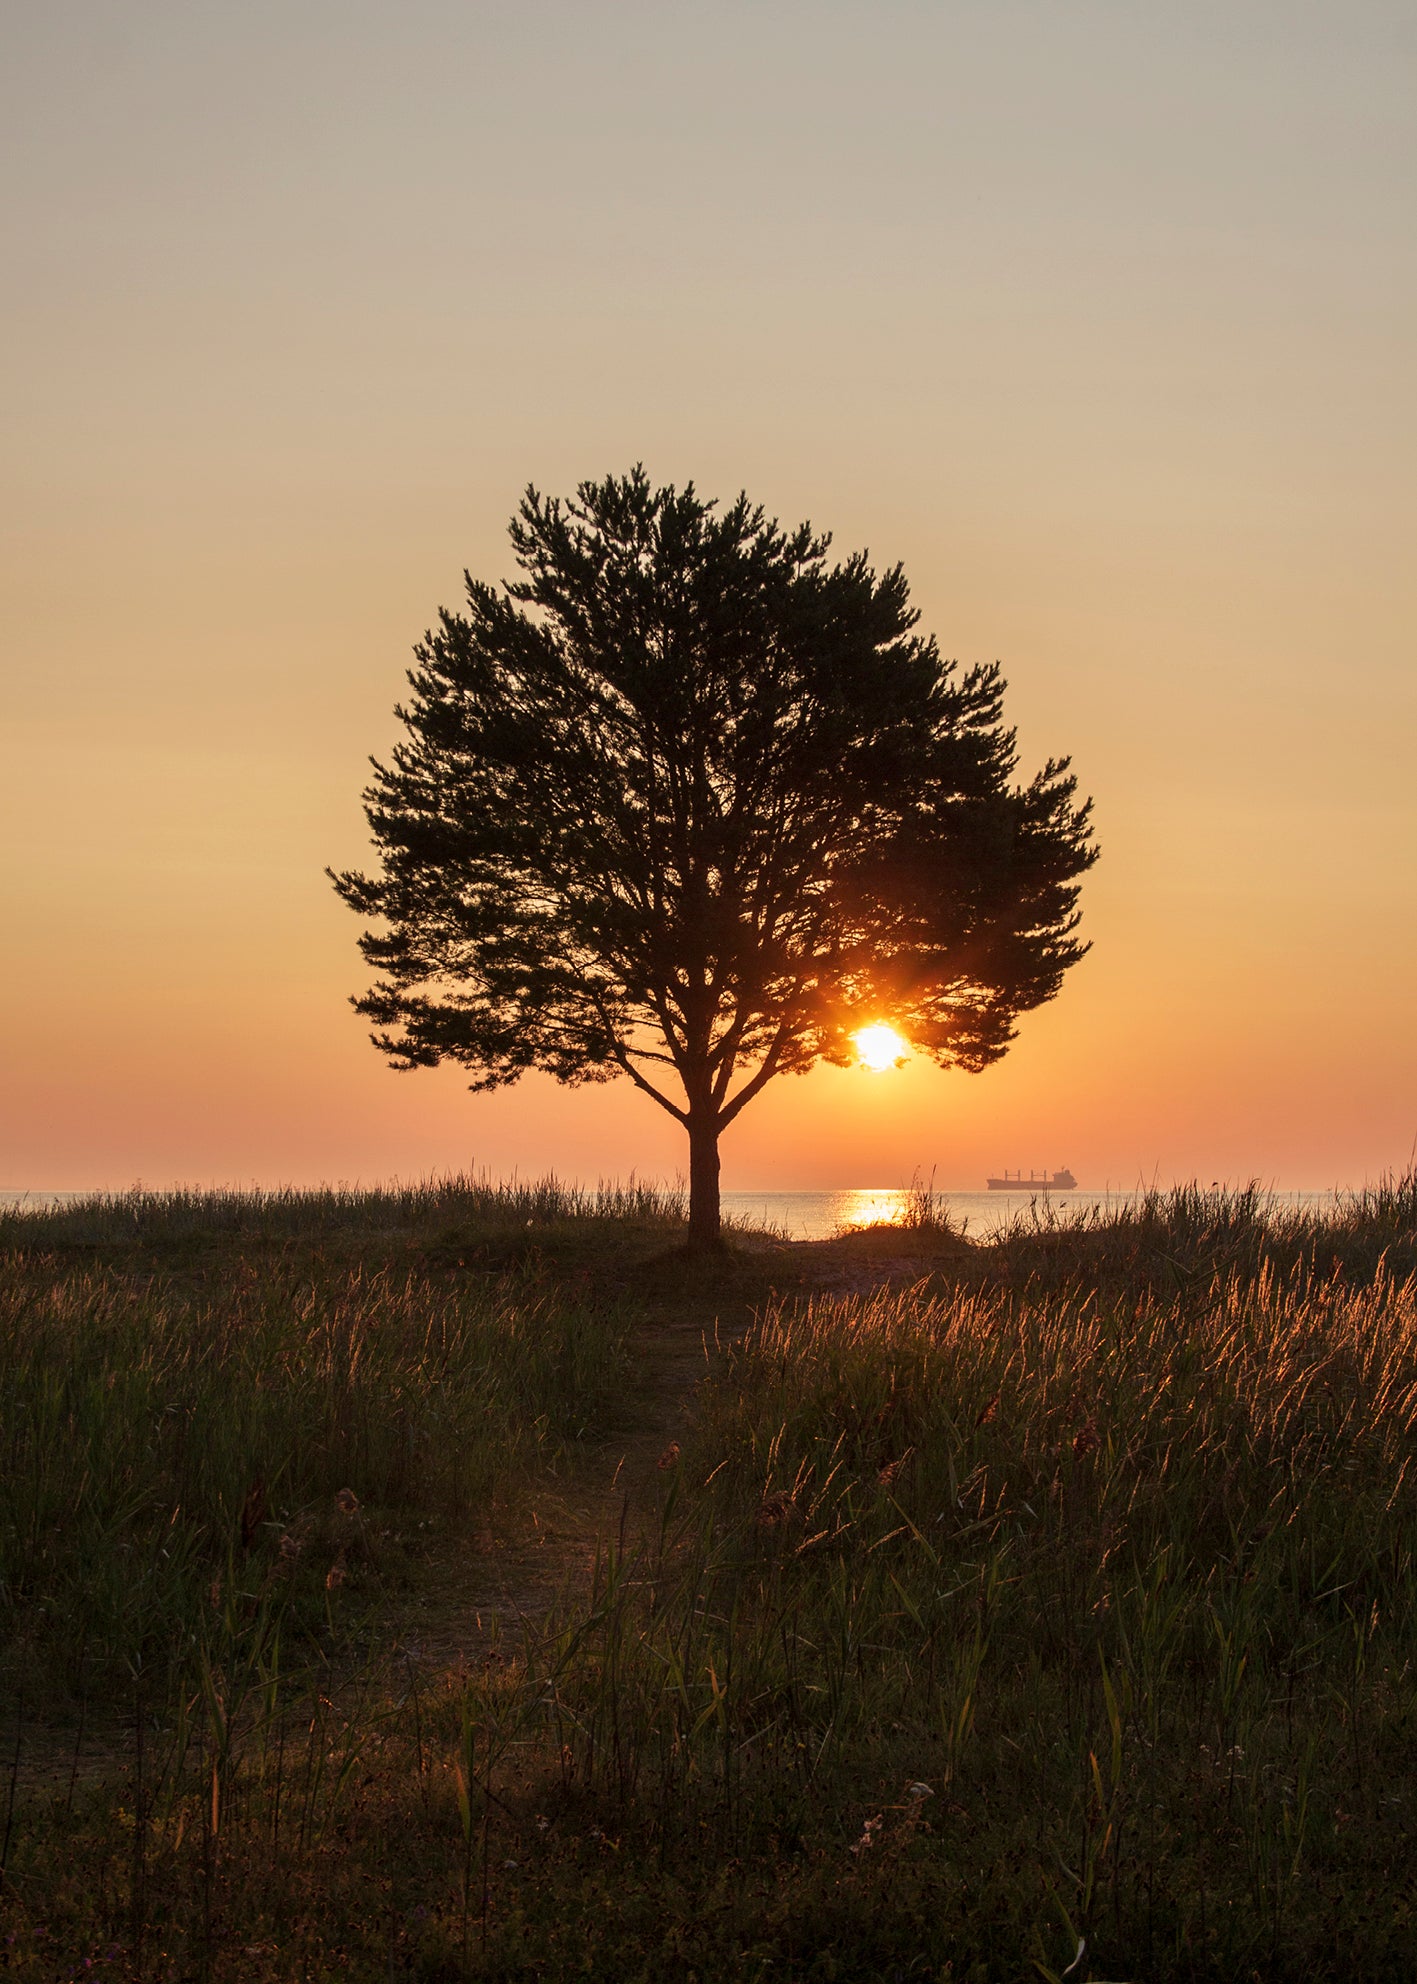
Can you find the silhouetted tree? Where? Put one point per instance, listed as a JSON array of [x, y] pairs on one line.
[[687, 802]]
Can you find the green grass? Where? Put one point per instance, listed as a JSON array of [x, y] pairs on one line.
[[188, 1384], [440, 1212], [1108, 1541], [1067, 1598]]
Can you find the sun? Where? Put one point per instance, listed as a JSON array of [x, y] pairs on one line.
[[880, 1048]]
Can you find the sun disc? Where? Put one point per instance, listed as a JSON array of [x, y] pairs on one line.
[[880, 1047]]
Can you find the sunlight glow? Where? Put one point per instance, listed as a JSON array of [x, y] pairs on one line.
[[880, 1048], [872, 1206]]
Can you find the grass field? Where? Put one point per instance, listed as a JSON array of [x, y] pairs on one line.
[[463, 1583]]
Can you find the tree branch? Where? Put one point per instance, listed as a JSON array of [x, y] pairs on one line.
[[618, 1052], [758, 1081]]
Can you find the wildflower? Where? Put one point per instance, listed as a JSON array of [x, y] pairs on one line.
[[868, 1837], [1087, 1440], [347, 1502], [670, 1455], [289, 1548]]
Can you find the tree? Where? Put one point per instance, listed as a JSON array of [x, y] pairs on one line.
[[688, 803]]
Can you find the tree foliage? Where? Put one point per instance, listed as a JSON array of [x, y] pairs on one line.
[[690, 802]]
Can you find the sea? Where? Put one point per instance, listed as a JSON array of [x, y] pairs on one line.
[[820, 1215]]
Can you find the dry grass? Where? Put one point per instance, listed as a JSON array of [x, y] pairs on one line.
[[1065, 1599]]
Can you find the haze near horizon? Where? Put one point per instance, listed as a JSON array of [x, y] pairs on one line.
[[1099, 322]]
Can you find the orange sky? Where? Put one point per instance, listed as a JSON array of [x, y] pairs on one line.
[[1098, 318]]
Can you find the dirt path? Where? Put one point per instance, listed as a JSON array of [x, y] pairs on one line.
[[461, 1604], [548, 1552]]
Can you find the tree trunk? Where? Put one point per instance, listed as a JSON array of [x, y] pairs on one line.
[[703, 1179]]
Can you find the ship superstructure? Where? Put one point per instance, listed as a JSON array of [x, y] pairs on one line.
[[1014, 1181]]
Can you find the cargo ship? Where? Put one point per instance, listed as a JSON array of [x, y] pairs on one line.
[[1060, 1181]]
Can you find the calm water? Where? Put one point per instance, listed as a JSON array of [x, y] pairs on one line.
[[818, 1215]]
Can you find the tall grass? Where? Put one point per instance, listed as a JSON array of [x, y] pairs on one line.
[[1121, 1584], [1182, 1238], [186, 1389], [1057, 1616], [446, 1207]]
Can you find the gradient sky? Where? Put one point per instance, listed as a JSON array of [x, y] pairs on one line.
[[1097, 316]]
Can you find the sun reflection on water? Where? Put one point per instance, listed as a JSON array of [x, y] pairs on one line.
[[872, 1206]]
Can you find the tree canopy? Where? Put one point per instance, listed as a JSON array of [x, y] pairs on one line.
[[689, 802]]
